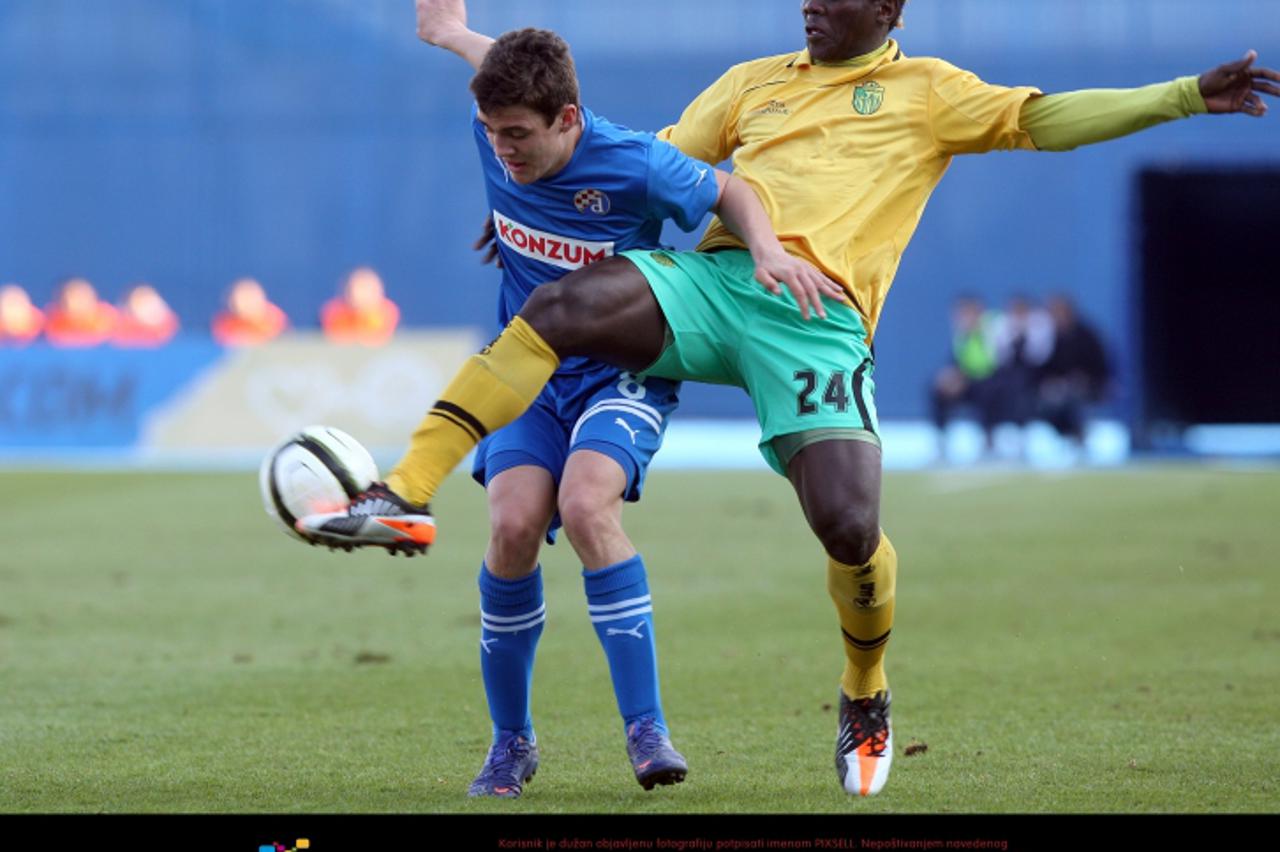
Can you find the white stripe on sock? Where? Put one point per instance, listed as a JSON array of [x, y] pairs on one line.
[[512, 628], [596, 619], [619, 605]]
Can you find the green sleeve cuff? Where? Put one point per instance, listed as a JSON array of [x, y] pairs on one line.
[[1190, 88], [1071, 119]]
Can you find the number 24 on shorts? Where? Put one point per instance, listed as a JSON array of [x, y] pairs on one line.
[[839, 393]]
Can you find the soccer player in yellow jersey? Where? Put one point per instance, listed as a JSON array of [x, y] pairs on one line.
[[843, 142]]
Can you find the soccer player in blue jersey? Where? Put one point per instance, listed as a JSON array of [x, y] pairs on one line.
[[567, 189]]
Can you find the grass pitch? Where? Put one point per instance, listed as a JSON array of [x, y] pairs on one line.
[[1094, 642]]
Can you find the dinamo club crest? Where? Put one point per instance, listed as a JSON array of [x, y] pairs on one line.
[[867, 98], [592, 201]]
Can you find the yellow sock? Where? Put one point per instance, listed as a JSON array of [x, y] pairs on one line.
[[493, 388], [864, 596]]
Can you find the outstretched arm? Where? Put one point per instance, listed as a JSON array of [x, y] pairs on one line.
[[742, 212], [1071, 119], [443, 23]]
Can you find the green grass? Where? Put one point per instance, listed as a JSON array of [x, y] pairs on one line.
[[1079, 643]]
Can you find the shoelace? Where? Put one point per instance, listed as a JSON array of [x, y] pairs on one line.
[[503, 759], [645, 738], [374, 502], [380, 500], [868, 714]]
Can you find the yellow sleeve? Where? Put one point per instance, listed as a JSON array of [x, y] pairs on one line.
[[968, 116], [707, 130], [1071, 119]]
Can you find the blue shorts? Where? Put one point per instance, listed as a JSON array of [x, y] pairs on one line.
[[605, 410]]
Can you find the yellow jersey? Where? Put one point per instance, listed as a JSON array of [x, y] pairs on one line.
[[844, 157]]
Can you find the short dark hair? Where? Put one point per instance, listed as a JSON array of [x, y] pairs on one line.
[[530, 68]]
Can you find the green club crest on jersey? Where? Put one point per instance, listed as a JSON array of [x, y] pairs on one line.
[[867, 98]]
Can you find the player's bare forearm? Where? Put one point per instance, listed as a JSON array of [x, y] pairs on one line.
[[744, 215], [742, 212], [443, 23]]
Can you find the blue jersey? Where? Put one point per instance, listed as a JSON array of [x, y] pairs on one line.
[[613, 195]]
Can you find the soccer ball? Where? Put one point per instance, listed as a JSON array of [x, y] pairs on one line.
[[320, 469]]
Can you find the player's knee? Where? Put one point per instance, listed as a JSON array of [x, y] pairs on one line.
[[587, 518], [514, 536], [850, 535]]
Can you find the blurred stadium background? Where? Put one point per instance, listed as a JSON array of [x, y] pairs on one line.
[[190, 143]]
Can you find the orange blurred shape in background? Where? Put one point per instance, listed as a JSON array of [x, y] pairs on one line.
[[144, 319], [20, 321], [77, 317], [361, 313], [248, 319]]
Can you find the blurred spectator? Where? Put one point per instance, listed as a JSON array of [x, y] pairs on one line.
[[967, 379], [249, 319], [20, 321], [144, 319], [361, 313], [77, 317], [1076, 373], [1023, 339]]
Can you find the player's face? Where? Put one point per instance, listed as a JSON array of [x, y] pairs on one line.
[[528, 148], [842, 29]]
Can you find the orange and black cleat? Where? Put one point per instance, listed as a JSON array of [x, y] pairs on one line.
[[864, 744], [376, 518]]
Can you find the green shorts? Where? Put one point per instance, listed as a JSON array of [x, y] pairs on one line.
[[810, 380]]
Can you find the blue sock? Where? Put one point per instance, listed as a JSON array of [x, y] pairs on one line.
[[511, 617], [622, 614]]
